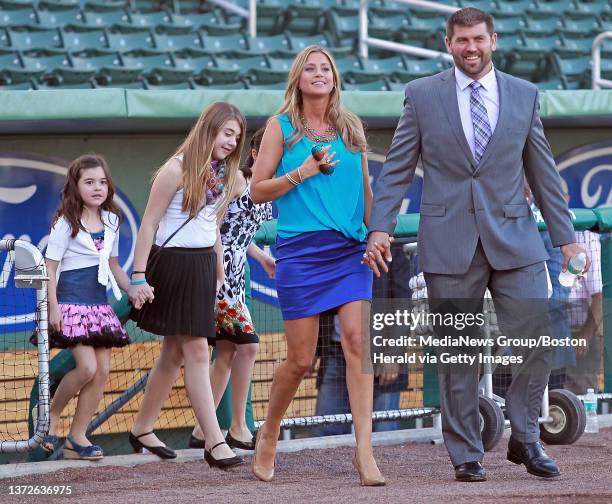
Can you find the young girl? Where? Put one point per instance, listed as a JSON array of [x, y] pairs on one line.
[[237, 343], [83, 246], [190, 193]]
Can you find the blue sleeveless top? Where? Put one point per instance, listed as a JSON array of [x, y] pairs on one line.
[[323, 202]]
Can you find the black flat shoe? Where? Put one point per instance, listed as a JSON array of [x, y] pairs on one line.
[[232, 442], [194, 442], [224, 463], [534, 457], [161, 451], [470, 471]]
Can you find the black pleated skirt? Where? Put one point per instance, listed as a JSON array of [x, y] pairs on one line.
[[185, 284]]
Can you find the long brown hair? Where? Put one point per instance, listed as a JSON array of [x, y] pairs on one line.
[[347, 124], [71, 203], [197, 150], [255, 144]]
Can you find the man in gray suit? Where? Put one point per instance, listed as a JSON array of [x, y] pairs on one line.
[[477, 131]]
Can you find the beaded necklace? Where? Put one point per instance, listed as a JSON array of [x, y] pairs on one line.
[[329, 135]]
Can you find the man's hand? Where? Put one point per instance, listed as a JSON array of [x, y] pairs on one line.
[[572, 249], [378, 251]]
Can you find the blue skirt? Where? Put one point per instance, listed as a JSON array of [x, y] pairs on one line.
[[320, 270]]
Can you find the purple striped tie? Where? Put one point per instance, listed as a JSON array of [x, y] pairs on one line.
[[480, 120]]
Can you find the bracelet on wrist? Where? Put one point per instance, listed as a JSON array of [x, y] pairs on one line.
[[136, 273], [291, 179], [138, 282]]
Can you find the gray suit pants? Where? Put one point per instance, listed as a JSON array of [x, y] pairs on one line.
[[459, 389]]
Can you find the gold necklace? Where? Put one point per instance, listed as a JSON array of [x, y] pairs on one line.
[[329, 135]]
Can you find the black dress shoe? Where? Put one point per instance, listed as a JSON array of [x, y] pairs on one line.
[[194, 442], [534, 457], [470, 471], [224, 463], [232, 442], [161, 451]]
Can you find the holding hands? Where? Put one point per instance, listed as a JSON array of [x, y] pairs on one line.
[[140, 294], [378, 252]]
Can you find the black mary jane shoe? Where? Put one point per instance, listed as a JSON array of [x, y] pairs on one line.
[[195, 442], [161, 451], [224, 463], [534, 457], [470, 471], [232, 442]]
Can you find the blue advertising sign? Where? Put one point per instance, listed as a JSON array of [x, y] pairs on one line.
[[30, 188], [588, 173]]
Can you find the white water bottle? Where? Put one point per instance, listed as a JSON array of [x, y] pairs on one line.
[[590, 406], [576, 266]]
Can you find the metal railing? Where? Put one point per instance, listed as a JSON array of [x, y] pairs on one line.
[[596, 80], [250, 14], [30, 272], [365, 40]]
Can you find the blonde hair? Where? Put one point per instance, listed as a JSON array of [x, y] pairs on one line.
[[347, 124], [197, 150]]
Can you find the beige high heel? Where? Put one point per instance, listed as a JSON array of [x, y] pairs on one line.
[[261, 472], [368, 479]]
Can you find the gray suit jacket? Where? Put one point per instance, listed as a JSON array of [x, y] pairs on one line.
[[463, 201]]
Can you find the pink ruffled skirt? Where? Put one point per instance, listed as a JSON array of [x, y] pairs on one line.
[[93, 325]]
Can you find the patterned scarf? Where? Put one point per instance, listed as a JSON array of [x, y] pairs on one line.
[[216, 182]]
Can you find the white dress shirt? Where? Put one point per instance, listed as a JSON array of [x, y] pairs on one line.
[[81, 252], [490, 96]]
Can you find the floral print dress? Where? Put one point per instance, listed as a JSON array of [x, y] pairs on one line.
[[243, 219]]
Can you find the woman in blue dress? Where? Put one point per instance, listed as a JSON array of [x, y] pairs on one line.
[[323, 207]]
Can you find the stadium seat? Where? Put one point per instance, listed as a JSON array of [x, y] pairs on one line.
[[267, 76], [273, 44], [552, 6], [343, 28], [271, 16], [416, 68], [177, 42], [17, 17], [575, 45], [396, 86], [550, 23], [509, 25], [280, 64], [197, 63], [79, 41], [224, 44], [574, 71], [245, 65], [60, 18], [597, 7], [147, 62], [309, 16], [122, 77], [580, 25], [105, 19], [94, 60], [348, 63], [149, 19], [25, 40], [299, 42], [12, 70], [514, 6], [387, 27], [485, 5]]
